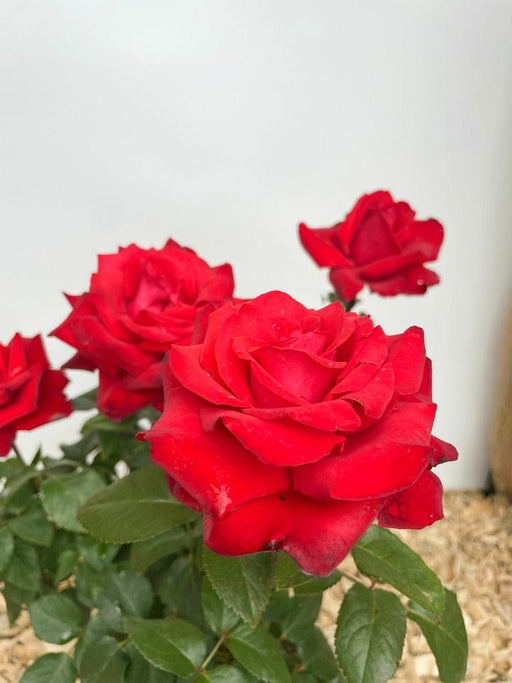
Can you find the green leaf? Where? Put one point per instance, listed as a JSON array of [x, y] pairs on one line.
[[243, 583], [101, 423], [52, 668], [144, 553], [141, 671], [10, 467], [64, 495], [384, 558], [288, 575], [6, 547], [318, 584], [316, 656], [66, 563], [102, 662], [301, 617], [170, 644], [33, 526], [17, 481], [15, 599], [219, 617], [226, 674], [55, 618], [94, 630], [446, 637], [179, 588], [23, 569], [134, 508], [259, 653], [86, 401], [124, 594], [95, 553], [89, 584], [299, 677], [370, 635]]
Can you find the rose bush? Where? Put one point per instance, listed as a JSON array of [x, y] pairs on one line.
[[31, 394], [294, 429], [140, 301], [380, 244]]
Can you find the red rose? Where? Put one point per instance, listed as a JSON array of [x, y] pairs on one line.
[[293, 429], [30, 393], [140, 302], [379, 244]]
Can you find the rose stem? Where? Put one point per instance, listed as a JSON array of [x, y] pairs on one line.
[[212, 654], [354, 579]]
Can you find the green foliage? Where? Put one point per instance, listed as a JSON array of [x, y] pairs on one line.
[[64, 495], [243, 583], [119, 564], [259, 653], [170, 644], [33, 526], [370, 635], [52, 668], [55, 618], [133, 509], [446, 637], [384, 558], [289, 575], [6, 547], [23, 569]]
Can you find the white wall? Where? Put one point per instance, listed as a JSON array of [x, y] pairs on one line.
[[224, 123]]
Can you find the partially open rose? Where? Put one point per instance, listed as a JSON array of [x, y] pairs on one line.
[[380, 244], [140, 301], [30, 393], [294, 429]]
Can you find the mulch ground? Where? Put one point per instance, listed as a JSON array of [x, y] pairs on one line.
[[471, 551]]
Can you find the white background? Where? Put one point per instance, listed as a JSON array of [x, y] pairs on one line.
[[223, 124]]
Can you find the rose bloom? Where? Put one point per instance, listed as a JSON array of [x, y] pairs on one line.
[[30, 393], [294, 429], [379, 244], [139, 302]]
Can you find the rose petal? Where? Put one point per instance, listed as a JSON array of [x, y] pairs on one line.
[[213, 467], [412, 280], [376, 395], [347, 282], [117, 402], [51, 402], [181, 495], [371, 471], [7, 436], [336, 415], [185, 364], [407, 356], [317, 535], [322, 245], [374, 201], [416, 507], [423, 237], [443, 451], [281, 443]]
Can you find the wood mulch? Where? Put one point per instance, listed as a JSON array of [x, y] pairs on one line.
[[470, 549]]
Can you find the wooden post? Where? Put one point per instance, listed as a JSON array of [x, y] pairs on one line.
[[501, 440]]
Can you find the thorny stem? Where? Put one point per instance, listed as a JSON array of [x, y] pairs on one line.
[[211, 655], [354, 579]]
